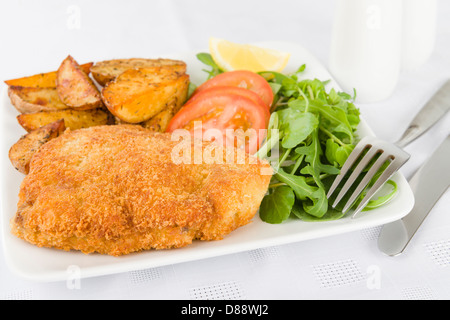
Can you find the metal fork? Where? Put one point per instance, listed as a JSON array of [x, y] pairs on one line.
[[431, 113], [364, 153]]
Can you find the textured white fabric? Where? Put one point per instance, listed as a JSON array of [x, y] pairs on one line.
[[38, 34]]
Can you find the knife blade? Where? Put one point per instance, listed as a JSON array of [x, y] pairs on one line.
[[429, 183], [432, 112]]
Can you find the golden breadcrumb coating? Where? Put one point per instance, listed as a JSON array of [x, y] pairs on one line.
[[116, 190]]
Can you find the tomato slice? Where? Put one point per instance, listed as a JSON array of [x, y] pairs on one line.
[[243, 79], [213, 91], [221, 112]]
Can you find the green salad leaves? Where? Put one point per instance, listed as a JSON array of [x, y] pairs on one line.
[[314, 132], [207, 60]]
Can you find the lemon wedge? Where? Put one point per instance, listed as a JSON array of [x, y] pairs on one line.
[[231, 56]]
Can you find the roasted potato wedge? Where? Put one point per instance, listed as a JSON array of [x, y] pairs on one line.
[[160, 122], [137, 95], [23, 150], [75, 88], [73, 119], [35, 99], [43, 80], [106, 71]]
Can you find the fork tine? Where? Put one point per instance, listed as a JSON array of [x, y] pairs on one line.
[[355, 174], [365, 181], [354, 155], [388, 151], [394, 166]]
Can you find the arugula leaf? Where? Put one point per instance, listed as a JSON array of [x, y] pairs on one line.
[[296, 126], [313, 153], [381, 200], [319, 206], [330, 215], [275, 87], [207, 59], [273, 77], [301, 189], [313, 198], [276, 207], [337, 154]]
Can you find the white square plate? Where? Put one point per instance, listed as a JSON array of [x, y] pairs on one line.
[[44, 264]]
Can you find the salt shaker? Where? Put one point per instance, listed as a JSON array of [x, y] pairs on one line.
[[419, 32], [366, 47]]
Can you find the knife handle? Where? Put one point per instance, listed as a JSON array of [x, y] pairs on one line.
[[432, 112]]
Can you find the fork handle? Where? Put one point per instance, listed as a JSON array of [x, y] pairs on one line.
[[431, 113]]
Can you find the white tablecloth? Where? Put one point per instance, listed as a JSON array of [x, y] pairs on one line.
[[38, 34]]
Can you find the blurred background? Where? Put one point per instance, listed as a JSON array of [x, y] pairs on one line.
[[38, 32], [38, 35]]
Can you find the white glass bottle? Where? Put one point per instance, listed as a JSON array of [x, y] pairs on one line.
[[419, 32], [366, 47]]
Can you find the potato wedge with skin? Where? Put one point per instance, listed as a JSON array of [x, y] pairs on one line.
[[106, 71], [137, 95], [160, 122], [75, 88], [43, 80], [35, 99], [73, 119], [22, 151]]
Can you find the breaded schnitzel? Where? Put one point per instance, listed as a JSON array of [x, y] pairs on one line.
[[116, 190]]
